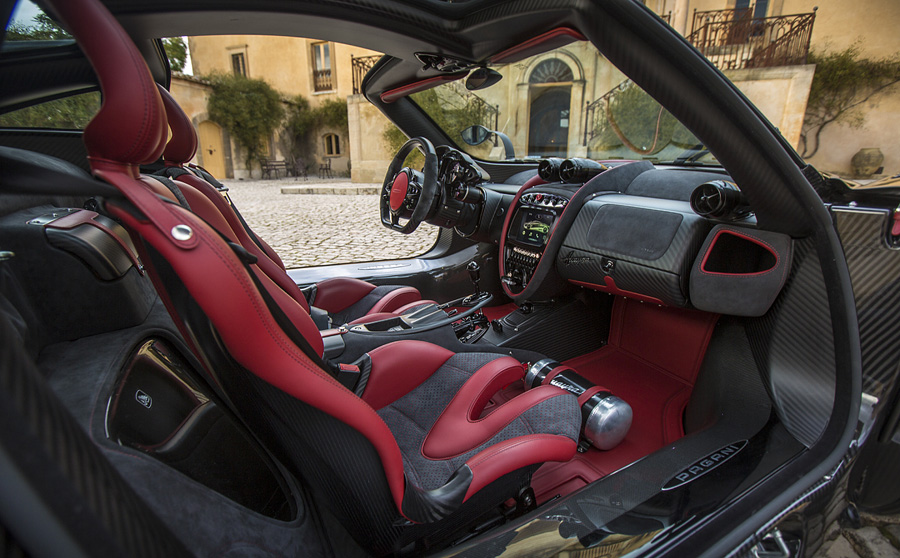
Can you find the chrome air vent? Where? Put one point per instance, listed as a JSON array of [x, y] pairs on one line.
[[719, 199]]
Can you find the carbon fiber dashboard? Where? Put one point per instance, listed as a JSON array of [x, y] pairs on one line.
[[634, 245]]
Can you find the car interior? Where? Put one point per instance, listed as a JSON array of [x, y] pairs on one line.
[[613, 346]]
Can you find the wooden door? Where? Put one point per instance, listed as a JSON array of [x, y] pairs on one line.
[[212, 155]]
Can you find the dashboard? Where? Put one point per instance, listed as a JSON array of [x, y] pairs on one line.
[[627, 228]]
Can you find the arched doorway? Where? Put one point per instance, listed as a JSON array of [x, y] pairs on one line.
[[551, 96], [212, 154]]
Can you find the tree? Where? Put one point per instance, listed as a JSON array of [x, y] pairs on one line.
[[44, 29], [72, 112], [842, 84], [250, 109], [176, 51], [632, 119], [452, 109]]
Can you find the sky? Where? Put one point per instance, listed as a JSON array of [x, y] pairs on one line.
[[25, 12]]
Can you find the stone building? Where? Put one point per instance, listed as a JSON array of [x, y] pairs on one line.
[[317, 70], [760, 46]]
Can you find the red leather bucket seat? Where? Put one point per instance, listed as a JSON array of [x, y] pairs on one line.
[[406, 454], [344, 299]]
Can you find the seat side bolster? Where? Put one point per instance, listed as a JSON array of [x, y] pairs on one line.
[[459, 429], [513, 454], [339, 293], [400, 367], [396, 299]]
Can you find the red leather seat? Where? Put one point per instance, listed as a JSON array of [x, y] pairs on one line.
[[344, 299], [403, 455]]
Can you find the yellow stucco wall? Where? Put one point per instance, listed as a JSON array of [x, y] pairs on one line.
[[371, 156], [839, 24], [869, 24], [779, 93], [284, 62]]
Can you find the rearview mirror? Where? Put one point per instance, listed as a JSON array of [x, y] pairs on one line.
[[482, 78]]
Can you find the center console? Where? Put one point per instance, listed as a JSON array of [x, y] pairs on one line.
[[534, 220]]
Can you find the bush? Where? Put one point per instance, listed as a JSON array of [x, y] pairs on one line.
[[250, 109], [842, 84]]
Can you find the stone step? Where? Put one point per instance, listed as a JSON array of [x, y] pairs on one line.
[[352, 190]]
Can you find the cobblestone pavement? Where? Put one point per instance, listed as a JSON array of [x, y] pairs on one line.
[[316, 229], [878, 537]]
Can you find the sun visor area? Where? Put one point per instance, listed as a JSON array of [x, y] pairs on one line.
[[392, 95], [550, 40]]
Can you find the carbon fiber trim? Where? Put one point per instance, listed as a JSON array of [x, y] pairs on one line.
[[84, 493], [793, 345], [664, 278], [875, 274], [586, 267]]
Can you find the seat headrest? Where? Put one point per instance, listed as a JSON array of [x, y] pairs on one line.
[[130, 127], [183, 143]]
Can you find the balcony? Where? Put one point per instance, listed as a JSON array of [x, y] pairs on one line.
[[322, 80], [734, 39], [361, 65]]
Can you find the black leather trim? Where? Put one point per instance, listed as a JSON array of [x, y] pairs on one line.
[[427, 506]]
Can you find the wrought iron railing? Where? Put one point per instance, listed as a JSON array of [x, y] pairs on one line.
[[595, 111], [489, 113], [322, 80], [361, 66], [734, 39]]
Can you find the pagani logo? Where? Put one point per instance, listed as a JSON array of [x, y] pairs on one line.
[[141, 397], [571, 258], [705, 465]]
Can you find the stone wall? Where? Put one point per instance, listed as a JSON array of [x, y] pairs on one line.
[[779, 93], [370, 155]]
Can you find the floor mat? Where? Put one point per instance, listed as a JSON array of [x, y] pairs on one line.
[[651, 361]]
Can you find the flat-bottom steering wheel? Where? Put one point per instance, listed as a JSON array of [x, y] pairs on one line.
[[408, 193]]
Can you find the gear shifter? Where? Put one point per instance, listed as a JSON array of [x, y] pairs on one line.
[[475, 275]]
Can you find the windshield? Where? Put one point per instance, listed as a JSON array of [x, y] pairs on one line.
[[567, 102]]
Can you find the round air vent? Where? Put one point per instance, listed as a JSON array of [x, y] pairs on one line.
[[548, 169], [719, 199], [575, 171]]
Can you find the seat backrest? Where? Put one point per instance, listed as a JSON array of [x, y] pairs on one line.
[[180, 149], [259, 351]]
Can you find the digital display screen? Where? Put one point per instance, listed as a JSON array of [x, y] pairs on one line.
[[533, 227]]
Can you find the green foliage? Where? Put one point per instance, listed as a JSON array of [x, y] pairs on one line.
[[333, 114], [453, 109], [43, 29], [72, 113], [394, 139], [69, 113], [250, 109], [176, 51], [303, 123], [842, 84]]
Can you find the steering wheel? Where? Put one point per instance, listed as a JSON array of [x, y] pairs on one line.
[[408, 193]]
